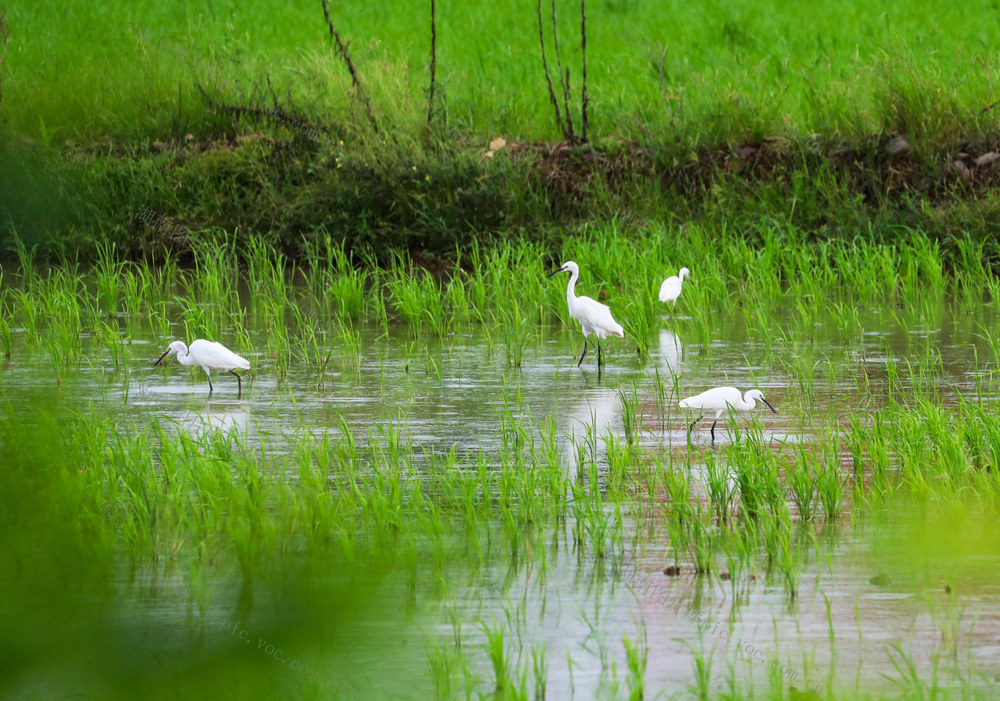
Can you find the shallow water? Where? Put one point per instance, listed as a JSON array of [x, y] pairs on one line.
[[448, 394]]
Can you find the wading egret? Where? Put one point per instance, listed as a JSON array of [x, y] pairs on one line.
[[670, 290], [210, 356], [594, 317], [718, 399]]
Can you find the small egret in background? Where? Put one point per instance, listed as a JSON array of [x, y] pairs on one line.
[[719, 398], [210, 356], [670, 290], [594, 317]]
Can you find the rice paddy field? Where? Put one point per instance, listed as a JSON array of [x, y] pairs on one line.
[[419, 494], [417, 491]]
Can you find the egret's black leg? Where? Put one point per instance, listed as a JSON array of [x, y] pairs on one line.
[[598, 352], [693, 424], [713, 431], [584, 352], [210, 387], [239, 383]]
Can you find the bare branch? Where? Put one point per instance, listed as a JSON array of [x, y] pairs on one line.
[[545, 65], [565, 84], [430, 98], [345, 54], [3, 42], [583, 50], [278, 115]]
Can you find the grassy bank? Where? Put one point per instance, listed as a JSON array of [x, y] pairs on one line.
[[437, 202], [701, 74], [247, 120]]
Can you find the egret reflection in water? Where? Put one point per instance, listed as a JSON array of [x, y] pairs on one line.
[[671, 351], [590, 419]]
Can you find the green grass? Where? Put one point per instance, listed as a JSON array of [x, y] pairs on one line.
[[141, 161], [210, 514], [721, 72], [291, 248], [306, 312]]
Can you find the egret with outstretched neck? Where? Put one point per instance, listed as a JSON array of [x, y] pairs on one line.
[[670, 290], [594, 317], [719, 399], [210, 356]]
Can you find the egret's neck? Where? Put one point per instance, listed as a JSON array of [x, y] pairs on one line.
[[748, 402], [184, 356], [571, 287]]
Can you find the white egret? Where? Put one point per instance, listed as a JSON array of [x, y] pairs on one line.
[[670, 290], [594, 317], [718, 399], [210, 356]]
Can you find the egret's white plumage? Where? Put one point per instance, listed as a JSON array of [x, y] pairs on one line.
[[718, 399], [210, 356], [594, 317], [670, 290]]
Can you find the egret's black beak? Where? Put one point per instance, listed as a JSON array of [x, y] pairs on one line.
[[161, 357], [556, 272], [769, 405]]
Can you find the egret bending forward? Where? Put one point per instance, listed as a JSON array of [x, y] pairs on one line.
[[719, 398], [210, 356], [670, 290], [594, 317]]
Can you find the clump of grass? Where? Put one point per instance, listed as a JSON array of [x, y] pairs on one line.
[[803, 481], [636, 654], [830, 482], [417, 299], [721, 491]]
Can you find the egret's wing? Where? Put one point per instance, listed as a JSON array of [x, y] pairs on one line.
[[692, 402], [221, 355], [593, 306], [670, 289], [237, 360], [598, 316], [715, 398]]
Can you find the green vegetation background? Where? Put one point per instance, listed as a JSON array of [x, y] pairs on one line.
[[841, 118]]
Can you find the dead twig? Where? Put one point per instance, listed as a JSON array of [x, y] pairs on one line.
[[583, 51], [563, 84], [564, 117], [430, 97], [545, 66], [3, 43], [979, 114], [256, 112], [345, 54]]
